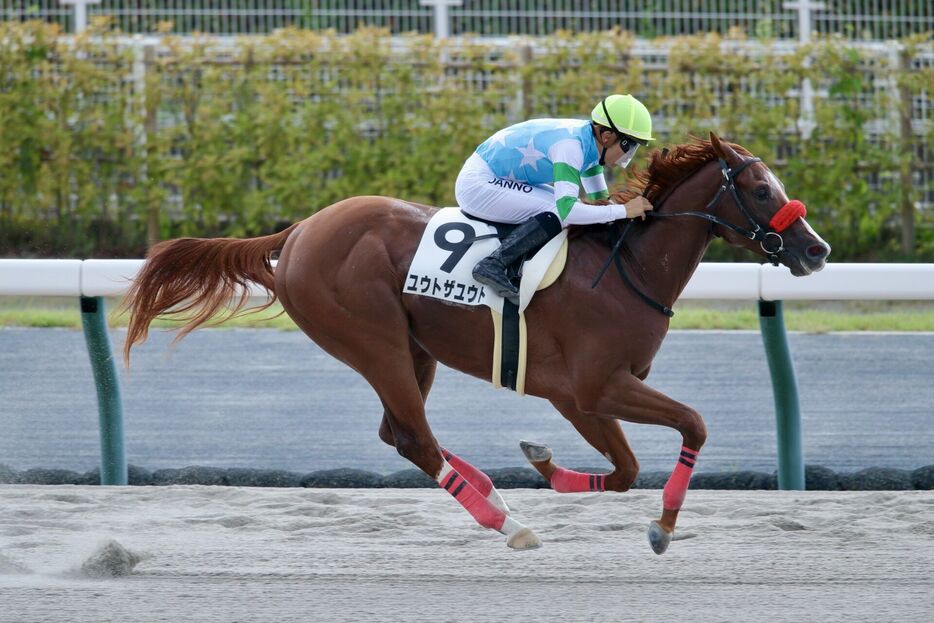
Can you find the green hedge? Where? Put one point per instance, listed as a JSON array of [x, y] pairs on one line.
[[239, 140]]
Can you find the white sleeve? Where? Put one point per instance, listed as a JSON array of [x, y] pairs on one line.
[[586, 214]]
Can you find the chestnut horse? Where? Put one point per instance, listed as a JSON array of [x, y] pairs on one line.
[[341, 273]]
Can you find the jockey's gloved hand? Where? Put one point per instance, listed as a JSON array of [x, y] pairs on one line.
[[637, 207]]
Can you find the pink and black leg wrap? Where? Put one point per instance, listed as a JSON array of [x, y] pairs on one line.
[[478, 479], [479, 507], [568, 481], [677, 486]]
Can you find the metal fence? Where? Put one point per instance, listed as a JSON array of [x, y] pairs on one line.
[[854, 19], [876, 72]]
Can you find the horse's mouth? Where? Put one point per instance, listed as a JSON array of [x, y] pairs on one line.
[[810, 259], [799, 270], [803, 268]]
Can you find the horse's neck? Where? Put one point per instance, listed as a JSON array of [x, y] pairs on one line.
[[666, 252]]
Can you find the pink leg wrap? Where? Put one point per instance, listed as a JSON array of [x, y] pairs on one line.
[[478, 479], [568, 481], [677, 486], [476, 503]]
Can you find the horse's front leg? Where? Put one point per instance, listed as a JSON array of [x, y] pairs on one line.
[[606, 436], [628, 398]]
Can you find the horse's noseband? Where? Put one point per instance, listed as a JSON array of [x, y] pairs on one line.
[[787, 214]]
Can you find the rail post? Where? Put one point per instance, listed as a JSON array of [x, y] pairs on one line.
[[81, 13], [806, 9], [442, 18], [785, 393], [109, 403]]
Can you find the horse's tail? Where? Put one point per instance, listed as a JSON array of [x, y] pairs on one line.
[[194, 277]]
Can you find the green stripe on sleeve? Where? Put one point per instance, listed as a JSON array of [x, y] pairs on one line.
[[601, 194], [564, 172], [564, 205], [593, 171]]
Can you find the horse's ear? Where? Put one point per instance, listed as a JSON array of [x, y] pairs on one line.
[[723, 149]]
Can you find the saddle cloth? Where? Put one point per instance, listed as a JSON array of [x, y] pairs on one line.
[[442, 267], [447, 253]]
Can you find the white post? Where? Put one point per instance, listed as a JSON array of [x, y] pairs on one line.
[[81, 12], [442, 21], [806, 123]]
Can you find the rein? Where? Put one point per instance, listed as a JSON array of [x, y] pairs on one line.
[[779, 222]]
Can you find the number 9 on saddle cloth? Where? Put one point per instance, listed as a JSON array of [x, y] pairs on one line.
[[442, 267]]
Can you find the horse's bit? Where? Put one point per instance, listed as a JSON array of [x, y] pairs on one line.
[[782, 219]]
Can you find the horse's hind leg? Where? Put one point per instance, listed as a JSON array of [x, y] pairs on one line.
[[366, 327], [425, 366], [398, 389], [607, 438]]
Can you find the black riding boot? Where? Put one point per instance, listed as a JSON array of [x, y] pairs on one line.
[[528, 237]]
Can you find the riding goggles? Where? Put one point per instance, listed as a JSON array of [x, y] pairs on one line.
[[629, 148]]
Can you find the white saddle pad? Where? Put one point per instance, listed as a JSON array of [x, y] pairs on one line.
[[443, 264]]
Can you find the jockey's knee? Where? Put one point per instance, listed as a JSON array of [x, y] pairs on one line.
[[692, 429]]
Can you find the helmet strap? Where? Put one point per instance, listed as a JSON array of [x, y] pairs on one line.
[[606, 113]]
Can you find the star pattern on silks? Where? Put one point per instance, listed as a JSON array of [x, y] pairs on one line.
[[568, 124], [500, 137], [530, 155], [512, 177]]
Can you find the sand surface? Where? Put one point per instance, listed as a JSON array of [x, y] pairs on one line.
[[99, 554]]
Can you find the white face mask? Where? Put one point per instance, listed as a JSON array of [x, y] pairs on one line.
[[627, 157]]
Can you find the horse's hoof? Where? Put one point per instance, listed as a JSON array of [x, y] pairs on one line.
[[659, 538], [535, 452], [523, 538]]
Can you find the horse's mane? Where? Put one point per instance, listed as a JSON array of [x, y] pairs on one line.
[[666, 171], [663, 173]]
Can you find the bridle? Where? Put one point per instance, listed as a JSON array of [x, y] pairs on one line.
[[782, 219]]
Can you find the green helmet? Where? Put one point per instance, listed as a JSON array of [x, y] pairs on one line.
[[624, 114]]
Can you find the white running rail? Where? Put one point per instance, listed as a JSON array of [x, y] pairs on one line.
[[737, 281]]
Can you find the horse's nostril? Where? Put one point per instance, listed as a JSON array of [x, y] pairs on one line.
[[818, 251]]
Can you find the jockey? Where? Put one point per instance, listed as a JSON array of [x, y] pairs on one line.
[[532, 173]]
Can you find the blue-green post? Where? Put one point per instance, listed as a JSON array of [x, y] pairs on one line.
[[109, 403], [785, 391]]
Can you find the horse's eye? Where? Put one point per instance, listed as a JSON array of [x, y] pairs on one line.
[[761, 193]]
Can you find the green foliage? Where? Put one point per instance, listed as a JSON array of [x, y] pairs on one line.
[[67, 146], [238, 140]]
